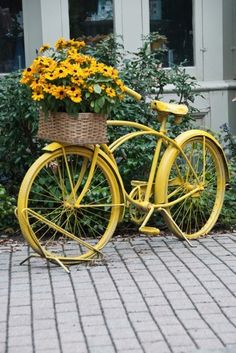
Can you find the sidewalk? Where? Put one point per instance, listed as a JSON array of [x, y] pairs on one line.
[[152, 295]]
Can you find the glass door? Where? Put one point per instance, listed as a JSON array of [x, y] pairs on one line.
[[12, 53], [173, 18], [90, 18]]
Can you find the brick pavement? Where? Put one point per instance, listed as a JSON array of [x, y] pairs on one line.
[[152, 295]]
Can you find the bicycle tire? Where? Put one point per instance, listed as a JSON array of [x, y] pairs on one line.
[[45, 202], [196, 215]]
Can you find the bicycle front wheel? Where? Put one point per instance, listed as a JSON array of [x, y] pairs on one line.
[[51, 221], [204, 167]]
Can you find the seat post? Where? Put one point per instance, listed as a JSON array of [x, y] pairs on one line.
[[162, 118]]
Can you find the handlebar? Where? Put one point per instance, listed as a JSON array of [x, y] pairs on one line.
[[132, 93]]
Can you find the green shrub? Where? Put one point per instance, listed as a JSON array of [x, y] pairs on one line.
[[19, 114], [18, 126], [144, 73], [228, 215], [7, 206]]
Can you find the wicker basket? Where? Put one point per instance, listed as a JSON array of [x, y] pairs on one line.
[[87, 128]]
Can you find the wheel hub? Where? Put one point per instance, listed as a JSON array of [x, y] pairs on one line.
[[190, 187]]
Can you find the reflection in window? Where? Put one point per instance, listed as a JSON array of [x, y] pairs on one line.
[[90, 18], [173, 18], [12, 56]]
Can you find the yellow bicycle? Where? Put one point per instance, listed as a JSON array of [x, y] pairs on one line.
[[72, 197]]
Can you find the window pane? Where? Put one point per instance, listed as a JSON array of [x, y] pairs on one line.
[[90, 18], [12, 55], [173, 18]]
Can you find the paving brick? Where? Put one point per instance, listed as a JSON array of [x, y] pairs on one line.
[[15, 349], [19, 341], [173, 330], [127, 343], [150, 336], [99, 340], [23, 331], [103, 349], [154, 347], [207, 343], [152, 295]]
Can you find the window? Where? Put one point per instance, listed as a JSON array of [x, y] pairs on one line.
[[12, 56], [90, 18], [173, 18]]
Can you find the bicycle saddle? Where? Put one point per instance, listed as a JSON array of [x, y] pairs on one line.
[[176, 109]]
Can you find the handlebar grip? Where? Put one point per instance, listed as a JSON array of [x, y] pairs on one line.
[[132, 93]]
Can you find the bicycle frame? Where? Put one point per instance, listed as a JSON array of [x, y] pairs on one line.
[[107, 153], [174, 179], [162, 138]]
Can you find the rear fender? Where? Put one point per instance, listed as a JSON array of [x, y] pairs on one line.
[[193, 133], [160, 197]]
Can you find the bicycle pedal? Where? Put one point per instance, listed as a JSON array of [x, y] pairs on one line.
[[150, 231]]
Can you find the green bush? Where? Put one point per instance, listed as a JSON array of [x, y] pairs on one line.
[[7, 207], [227, 218], [144, 73], [18, 126]]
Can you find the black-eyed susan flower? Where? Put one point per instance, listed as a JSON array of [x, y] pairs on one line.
[[44, 48], [68, 79]]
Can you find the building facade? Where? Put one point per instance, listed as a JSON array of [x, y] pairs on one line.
[[201, 31]]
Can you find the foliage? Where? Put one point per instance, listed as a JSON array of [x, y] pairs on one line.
[[7, 206], [18, 127], [144, 73], [228, 215], [106, 49], [19, 113], [65, 79]]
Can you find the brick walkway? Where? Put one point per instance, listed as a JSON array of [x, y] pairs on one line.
[[152, 295]]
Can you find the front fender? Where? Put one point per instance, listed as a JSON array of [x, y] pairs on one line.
[[53, 147]]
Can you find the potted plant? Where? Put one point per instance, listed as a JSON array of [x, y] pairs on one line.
[[75, 93]]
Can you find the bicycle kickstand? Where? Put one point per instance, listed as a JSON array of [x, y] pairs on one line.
[[182, 235], [149, 230]]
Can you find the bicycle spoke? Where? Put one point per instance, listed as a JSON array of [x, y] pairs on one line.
[[199, 211]]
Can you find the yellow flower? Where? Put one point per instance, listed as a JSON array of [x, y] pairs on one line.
[[67, 75], [110, 92], [72, 91], [28, 75], [36, 86], [77, 80], [59, 92], [74, 44], [44, 48], [60, 43], [61, 72], [47, 87], [76, 71], [76, 98], [37, 95]]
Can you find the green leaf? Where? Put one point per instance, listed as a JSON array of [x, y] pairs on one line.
[[96, 107], [101, 101], [97, 88]]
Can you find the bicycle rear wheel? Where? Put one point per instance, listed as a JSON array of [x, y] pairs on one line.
[[49, 219], [197, 214]]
